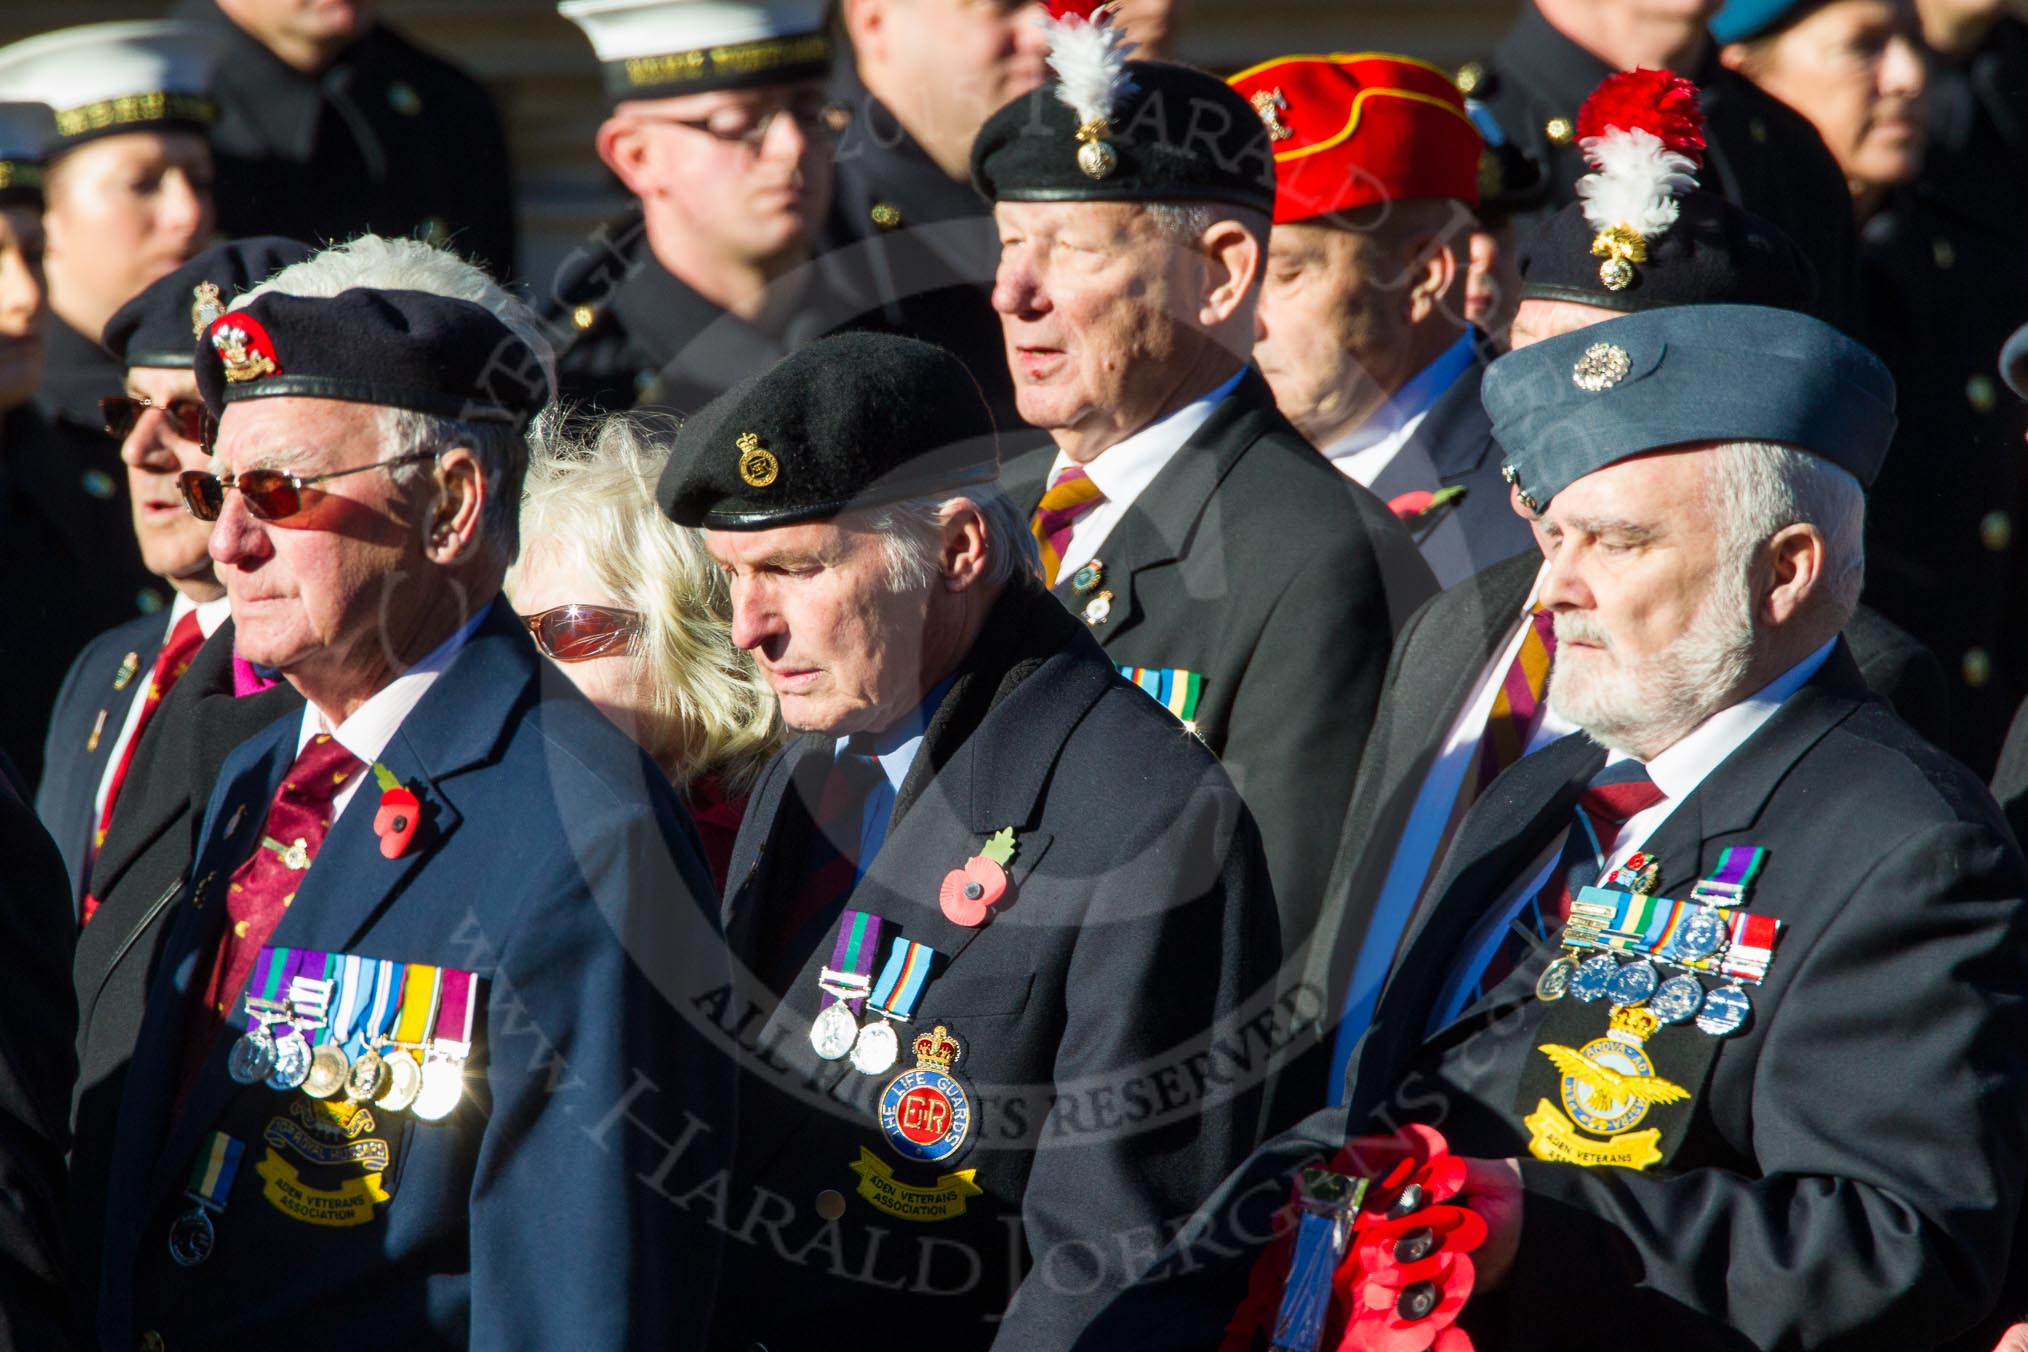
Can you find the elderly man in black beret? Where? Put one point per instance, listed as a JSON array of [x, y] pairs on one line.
[[1698, 996], [1216, 556], [381, 1052], [1003, 930]]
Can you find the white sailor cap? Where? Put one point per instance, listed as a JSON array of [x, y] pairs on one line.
[[653, 49], [26, 129], [103, 78]]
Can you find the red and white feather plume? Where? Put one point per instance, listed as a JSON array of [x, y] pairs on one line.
[[1642, 132], [1089, 56]]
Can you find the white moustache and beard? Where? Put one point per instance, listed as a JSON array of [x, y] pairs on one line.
[[1645, 707]]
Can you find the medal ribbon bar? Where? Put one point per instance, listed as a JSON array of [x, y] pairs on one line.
[[902, 979], [851, 969], [418, 1005], [211, 1173]]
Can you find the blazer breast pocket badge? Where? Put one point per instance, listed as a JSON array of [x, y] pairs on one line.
[[365, 1040]]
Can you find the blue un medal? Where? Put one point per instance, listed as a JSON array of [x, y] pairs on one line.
[[926, 1113]]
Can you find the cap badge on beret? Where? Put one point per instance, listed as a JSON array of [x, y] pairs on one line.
[[1602, 366], [1089, 57], [244, 348], [206, 305], [757, 464], [1642, 132], [1271, 104]]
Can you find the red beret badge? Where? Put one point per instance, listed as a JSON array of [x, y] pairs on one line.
[[244, 348]]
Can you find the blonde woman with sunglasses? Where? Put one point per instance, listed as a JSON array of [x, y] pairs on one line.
[[631, 608]]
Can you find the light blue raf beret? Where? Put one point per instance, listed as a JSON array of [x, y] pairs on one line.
[[1682, 375]]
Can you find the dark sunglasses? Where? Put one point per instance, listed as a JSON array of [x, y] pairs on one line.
[[578, 633], [189, 417], [270, 494]]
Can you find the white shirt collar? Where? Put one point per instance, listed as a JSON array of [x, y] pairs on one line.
[[1396, 420], [373, 724], [1123, 469], [1705, 747], [210, 614]]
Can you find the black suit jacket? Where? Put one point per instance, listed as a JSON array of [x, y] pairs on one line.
[[1253, 562], [93, 697], [1139, 917], [1851, 1161], [1455, 439], [36, 1020], [1435, 669], [138, 878]]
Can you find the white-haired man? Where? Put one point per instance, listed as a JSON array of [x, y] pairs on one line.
[[443, 922], [1698, 993], [983, 838], [1219, 559]]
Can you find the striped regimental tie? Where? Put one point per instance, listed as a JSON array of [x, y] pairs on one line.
[[1070, 496]]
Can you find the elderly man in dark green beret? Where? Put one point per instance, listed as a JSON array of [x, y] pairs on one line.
[[1201, 539], [1003, 929]]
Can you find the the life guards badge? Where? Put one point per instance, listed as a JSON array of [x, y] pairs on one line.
[[926, 1113], [1607, 1087]]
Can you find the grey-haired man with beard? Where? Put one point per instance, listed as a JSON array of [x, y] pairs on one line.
[[1700, 995]]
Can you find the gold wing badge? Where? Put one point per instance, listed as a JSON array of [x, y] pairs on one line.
[[1608, 1086]]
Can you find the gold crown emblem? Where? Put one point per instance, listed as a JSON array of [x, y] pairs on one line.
[[206, 305], [1638, 1024], [936, 1049], [757, 464]]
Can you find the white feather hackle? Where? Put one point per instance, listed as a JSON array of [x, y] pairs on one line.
[[1637, 182], [1090, 61]]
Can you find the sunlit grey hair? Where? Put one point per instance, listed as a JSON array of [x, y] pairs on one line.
[[1186, 222], [910, 532], [383, 264], [1758, 488]]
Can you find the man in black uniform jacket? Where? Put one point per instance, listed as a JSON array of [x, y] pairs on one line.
[[1760, 153], [721, 130], [977, 798], [1218, 558], [1808, 1131], [332, 124]]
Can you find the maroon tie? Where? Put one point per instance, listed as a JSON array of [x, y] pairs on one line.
[[262, 887], [1614, 797]]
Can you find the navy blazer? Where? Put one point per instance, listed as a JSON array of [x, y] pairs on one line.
[[555, 863], [72, 761]]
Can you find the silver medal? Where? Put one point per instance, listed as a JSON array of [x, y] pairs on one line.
[[1701, 934], [1632, 984], [877, 1049], [292, 1062], [1676, 999], [1725, 1011], [834, 1031], [1554, 982], [253, 1056], [1592, 977], [191, 1237]]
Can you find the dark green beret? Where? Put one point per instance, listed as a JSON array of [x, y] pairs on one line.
[[1684, 374], [853, 421], [1179, 135], [1715, 254], [159, 327]]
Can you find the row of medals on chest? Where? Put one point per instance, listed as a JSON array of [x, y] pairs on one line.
[[835, 1034], [387, 1074], [1700, 940]]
